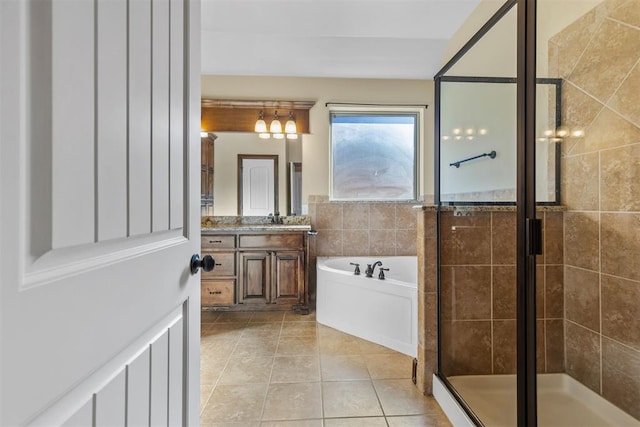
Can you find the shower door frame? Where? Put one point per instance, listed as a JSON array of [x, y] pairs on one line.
[[528, 240]]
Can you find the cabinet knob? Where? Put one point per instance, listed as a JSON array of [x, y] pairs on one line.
[[207, 263]]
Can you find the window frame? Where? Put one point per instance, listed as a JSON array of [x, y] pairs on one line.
[[384, 110]]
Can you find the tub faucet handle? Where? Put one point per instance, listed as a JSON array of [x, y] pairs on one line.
[[357, 270], [381, 274]]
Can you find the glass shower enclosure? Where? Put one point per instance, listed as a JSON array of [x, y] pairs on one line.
[[538, 194]]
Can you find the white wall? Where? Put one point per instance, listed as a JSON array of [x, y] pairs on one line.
[[315, 146], [225, 170]]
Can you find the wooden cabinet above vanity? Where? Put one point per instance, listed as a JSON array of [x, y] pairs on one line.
[[256, 268]]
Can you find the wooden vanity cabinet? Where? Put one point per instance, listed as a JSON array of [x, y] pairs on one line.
[[217, 287], [269, 273]]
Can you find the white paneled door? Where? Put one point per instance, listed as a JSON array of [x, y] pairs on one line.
[[258, 186], [99, 212]]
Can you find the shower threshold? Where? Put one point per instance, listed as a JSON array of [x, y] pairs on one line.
[[562, 402]]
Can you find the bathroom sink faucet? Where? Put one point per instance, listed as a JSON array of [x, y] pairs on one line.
[[370, 267]]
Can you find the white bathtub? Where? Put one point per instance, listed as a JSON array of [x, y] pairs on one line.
[[381, 311]]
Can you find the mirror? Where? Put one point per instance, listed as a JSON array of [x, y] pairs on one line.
[[226, 147]]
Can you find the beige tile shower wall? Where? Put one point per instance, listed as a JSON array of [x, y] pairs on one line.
[[478, 291], [598, 57], [427, 299], [363, 229]]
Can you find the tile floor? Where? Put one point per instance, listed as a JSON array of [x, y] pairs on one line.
[[284, 369]]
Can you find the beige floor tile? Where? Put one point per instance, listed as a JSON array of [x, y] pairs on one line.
[[232, 424], [389, 366], [205, 391], [291, 316], [297, 346], [292, 423], [262, 330], [355, 422], [211, 369], [267, 316], [235, 403], [217, 347], [430, 420], [293, 402], [342, 368], [401, 397], [327, 332], [350, 399], [222, 330], [235, 317], [296, 369], [368, 347], [339, 346], [208, 316], [299, 329], [251, 347], [247, 370]]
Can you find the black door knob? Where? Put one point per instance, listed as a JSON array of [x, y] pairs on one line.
[[207, 263]]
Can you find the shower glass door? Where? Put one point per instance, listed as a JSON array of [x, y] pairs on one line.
[[476, 190]]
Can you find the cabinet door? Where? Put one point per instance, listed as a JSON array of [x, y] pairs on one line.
[[255, 271], [288, 277]]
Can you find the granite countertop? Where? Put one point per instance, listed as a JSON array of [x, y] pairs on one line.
[[211, 224]]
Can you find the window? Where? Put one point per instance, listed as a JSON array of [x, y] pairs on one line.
[[374, 154]]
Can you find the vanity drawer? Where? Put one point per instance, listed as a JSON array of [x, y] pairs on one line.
[[285, 241], [217, 292], [218, 241], [225, 265]]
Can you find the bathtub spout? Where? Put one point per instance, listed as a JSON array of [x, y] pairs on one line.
[[370, 267]]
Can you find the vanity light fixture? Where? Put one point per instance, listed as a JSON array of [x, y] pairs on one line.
[[275, 130], [276, 126], [261, 125], [290, 126]]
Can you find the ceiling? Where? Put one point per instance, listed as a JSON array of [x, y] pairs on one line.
[[394, 39]]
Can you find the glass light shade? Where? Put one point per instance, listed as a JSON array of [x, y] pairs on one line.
[[260, 127], [264, 135], [292, 136], [276, 126], [204, 134], [278, 135], [290, 127]]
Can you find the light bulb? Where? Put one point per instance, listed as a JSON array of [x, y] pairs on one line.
[[446, 137], [276, 126], [278, 135], [292, 136], [264, 135], [482, 131], [469, 131], [261, 126], [290, 126], [457, 131]]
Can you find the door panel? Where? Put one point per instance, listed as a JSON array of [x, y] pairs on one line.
[[94, 156], [258, 186], [288, 277], [139, 118], [67, 130], [254, 277], [111, 119]]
